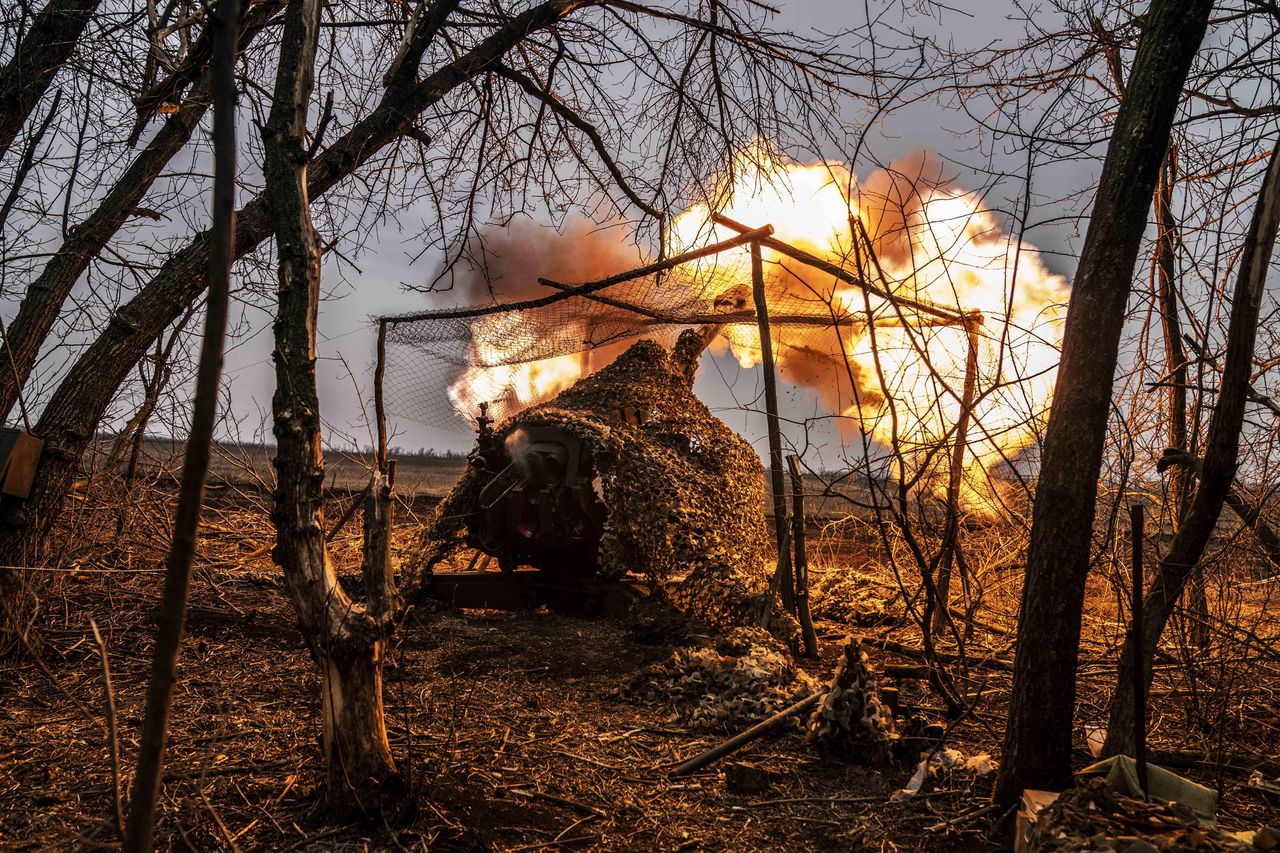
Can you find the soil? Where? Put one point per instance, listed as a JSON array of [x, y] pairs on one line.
[[511, 727]]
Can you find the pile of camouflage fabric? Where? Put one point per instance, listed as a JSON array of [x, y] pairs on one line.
[[850, 719], [848, 597], [684, 494], [730, 683]]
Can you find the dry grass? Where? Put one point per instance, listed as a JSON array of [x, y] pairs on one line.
[[511, 725]]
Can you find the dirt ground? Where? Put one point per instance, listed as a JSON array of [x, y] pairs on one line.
[[511, 727]]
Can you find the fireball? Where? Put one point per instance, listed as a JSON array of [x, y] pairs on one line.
[[895, 375]]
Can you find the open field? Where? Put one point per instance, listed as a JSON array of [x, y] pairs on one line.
[[512, 725], [417, 475], [250, 464]]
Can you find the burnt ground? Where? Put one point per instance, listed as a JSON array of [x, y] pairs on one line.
[[511, 725]]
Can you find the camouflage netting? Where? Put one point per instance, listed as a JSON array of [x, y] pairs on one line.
[[684, 493], [850, 719], [426, 353], [739, 680], [849, 598]]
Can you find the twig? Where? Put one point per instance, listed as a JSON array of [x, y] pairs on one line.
[[113, 741], [325, 118], [552, 798], [960, 820]]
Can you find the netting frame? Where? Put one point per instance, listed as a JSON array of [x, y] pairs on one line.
[[925, 313]]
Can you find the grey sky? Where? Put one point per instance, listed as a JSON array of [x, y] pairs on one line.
[[388, 262], [347, 336]]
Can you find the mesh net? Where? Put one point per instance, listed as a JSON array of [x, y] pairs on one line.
[[441, 364]]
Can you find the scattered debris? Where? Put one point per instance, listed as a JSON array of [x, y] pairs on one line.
[[1095, 737], [739, 680], [1094, 816], [933, 763], [941, 759], [1260, 783]]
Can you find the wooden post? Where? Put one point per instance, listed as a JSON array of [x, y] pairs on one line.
[[1135, 633], [380, 413], [775, 432], [951, 530], [801, 558]]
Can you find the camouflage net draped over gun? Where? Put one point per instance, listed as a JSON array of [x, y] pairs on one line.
[[683, 492]]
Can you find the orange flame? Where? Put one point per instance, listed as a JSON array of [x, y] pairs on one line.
[[899, 379]]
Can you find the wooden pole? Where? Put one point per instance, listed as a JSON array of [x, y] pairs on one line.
[[590, 287], [949, 315], [380, 412], [801, 558], [775, 432], [1135, 632], [734, 743], [951, 532]]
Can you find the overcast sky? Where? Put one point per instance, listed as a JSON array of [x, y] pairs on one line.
[[347, 335]]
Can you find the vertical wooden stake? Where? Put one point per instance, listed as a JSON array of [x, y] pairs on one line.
[[775, 434], [380, 413], [951, 531], [1135, 632], [801, 558], [140, 826]]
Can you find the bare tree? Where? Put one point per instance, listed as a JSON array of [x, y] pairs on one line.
[[345, 638], [1037, 744], [36, 58], [46, 295], [164, 669], [1219, 465]]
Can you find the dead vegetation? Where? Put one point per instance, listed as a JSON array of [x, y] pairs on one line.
[[514, 728]]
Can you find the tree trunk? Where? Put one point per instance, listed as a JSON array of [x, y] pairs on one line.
[[1175, 359], [75, 407], [36, 59], [1219, 465], [1037, 745], [346, 639]]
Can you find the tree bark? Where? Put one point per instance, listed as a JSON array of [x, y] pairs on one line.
[[1218, 468], [36, 59], [76, 406], [1037, 745], [1175, 357], [45, 296], [195, 464], [345, 638]]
